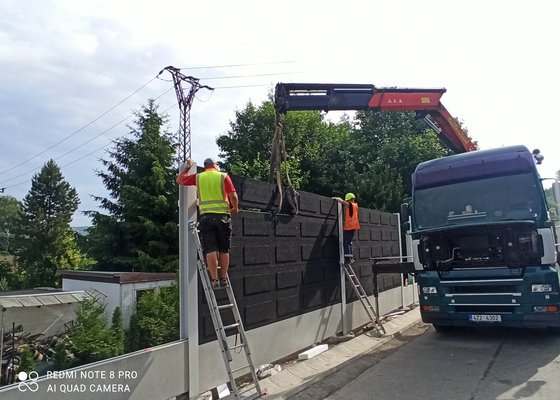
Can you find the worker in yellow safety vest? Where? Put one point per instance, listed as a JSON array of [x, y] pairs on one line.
[[217, 202], [351, 224]]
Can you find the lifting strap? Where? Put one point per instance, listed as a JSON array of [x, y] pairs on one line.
[[277, 155]]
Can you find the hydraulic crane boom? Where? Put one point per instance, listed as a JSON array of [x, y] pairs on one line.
[[425, 102]]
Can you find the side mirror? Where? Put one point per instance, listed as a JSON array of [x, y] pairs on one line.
[[404, 212]]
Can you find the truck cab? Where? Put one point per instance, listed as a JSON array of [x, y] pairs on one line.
[[483, 242]]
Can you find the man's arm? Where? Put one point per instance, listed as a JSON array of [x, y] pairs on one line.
[[234, 201], [183, 171]]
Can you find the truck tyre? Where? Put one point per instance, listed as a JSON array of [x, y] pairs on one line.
[[442, 328]]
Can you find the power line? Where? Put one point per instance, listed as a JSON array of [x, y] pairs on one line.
[[241, 65], [81, 129], [129, 96], [142, 87], [241, 86], [105, 131], [86, 155], [83, 144], [249, 76]]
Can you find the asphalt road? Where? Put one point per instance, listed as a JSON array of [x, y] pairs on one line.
[[464, 364]]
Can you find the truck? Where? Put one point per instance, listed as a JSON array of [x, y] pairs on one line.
[[483, 242], [479, 234]]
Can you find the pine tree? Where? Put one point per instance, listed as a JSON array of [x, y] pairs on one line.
[[139, 231], [10, 209], [45, 242], [117, 332], [92, 340]]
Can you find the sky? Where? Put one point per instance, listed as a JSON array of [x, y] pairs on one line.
[[73, 71]]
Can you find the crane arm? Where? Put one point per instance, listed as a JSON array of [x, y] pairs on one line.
[[345, 97]]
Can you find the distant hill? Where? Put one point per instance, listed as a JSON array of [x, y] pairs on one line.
[[81, 230]]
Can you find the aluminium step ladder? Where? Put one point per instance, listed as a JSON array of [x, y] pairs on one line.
[[222, 331], [361, 293]]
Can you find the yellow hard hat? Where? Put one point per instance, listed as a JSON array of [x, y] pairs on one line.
[[349, 196]]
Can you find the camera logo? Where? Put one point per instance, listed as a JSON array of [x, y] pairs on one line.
[[28, 382]]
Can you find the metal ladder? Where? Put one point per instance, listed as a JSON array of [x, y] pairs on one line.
[[360, 292], [222, 331]]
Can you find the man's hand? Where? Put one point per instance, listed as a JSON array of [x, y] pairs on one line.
[[234, 203], [186, 165]]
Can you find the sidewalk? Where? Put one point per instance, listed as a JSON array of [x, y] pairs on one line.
[[301, 374]]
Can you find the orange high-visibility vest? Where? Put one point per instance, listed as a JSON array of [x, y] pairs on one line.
[[351, 222]]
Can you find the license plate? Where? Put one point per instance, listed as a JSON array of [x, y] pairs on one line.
[[485, 318]]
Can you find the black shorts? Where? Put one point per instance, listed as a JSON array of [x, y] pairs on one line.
[[215, 232]]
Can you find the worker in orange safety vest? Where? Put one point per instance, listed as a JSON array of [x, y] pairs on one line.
[[351, 224]]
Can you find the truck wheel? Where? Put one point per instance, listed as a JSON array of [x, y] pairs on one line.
[[442, 328], [553, 330]]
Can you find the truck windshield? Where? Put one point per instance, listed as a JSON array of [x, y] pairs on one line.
[[502, 198]]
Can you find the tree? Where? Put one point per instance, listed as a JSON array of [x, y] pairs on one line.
[[372, 154], [396, 141], [156, 320], [45, 242], [314, 147], [26, 363], [9, 278], [140, 230], [10, 209], [63, 356], [91, 339], [117, 332]]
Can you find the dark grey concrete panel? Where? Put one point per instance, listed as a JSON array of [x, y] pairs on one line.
[[291, 261], [255, 226], [312, 274], [309, 253], [287, 279], [253, 255], [260, 312], [385, 219], [374, 218], [289, 306], [285, 254], [311, 229], [258, 283], [312, 298], [330, 229], [287, 226], [364, 233], [310, 203], [330, 249], [375, 233], [328, 207]]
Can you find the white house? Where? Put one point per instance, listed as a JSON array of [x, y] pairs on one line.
[[118, 289]]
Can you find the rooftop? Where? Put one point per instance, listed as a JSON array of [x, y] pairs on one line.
[[23, 298], [117, 277]]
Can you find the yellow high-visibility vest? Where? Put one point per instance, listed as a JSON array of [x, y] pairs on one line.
[[210, 187]]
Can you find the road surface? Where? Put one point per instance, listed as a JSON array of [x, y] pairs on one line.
[[464, 364]]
